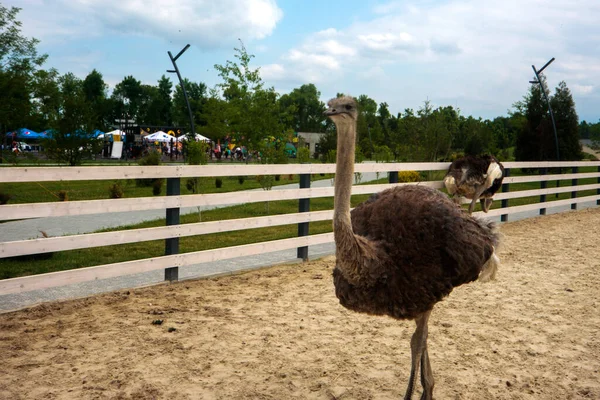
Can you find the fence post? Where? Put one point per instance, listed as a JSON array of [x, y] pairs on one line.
[[505, 189], [574, 183], [598, 190], [393, 177], [172, 244], [544, 184], [303, 206]]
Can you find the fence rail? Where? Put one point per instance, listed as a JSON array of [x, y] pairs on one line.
[[174, 202]]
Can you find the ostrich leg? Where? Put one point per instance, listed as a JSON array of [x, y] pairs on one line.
[[418, 348], [476, 196], [426, 375], [486, 204]]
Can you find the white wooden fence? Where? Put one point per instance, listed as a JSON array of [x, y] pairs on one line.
[[172, 203]]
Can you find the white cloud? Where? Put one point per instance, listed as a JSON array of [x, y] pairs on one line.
[[205, 23], [582, 89], [273, 72], [476, 54]]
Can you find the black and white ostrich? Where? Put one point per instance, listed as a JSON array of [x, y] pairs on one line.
[[404, 249], [476, 178]]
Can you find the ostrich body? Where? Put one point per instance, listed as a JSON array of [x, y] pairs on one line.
[[404, 249], [476, 178]]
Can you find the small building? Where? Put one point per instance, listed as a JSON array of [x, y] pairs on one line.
[[311, 140]]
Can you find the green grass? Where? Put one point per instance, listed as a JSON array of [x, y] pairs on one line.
[[66, 260], [36, 192]]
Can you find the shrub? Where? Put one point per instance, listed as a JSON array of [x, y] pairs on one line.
[[63, 195], [409, 176], [197, 153], [4, 198], [152, 158], [218, 183], [157, 186], [241, 179], [303, 155], [115, 191], [193, 185]]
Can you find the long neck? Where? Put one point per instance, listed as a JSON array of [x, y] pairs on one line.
[[344, 174]]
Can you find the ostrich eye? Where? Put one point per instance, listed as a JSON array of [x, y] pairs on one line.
[[348, 107]]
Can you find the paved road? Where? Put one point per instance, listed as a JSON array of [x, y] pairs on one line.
[[60, 226]]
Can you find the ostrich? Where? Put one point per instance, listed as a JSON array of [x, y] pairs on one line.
[[474, 178], [404, 249]]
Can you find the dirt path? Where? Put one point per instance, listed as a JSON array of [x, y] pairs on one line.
[[280, 333]]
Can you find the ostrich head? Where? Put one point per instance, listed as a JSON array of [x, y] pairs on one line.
[[342, 110]]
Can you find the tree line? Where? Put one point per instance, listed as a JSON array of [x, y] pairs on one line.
[[242, 106]]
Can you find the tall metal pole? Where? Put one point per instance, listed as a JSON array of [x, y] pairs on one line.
[[176, 70], [537, 76]]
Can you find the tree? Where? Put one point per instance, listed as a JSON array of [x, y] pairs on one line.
[[18, 61], [94, 91], [304, 109], [567, 126], [535, 141], [127, 95], [73, 140], [47, 99], [250, 111], [198, 96]]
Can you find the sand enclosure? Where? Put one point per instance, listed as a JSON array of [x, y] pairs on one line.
[[279, 333]]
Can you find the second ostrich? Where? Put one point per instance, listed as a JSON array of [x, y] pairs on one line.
[[404, 249], [476, 178]]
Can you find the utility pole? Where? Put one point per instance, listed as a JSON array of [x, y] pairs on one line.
[[185, 96], [537, 76]]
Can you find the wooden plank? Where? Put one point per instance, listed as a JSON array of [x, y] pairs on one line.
[[46, 174], [85, 207], [555, 177], [536, 206], [538, 192], [62, 243], [62, 278], [550, 164]]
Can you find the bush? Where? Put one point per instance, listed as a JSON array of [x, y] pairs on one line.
[[409, 176], [152, 158], [115, 191], [218, 183], [157, 187], [63, 195], [4, 198], [241, 179], [193, 185], [197, 153], [303, 155]]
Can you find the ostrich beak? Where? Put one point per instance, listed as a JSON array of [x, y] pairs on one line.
[[331, 111]]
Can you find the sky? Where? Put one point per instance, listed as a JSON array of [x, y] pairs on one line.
[[476, 55]]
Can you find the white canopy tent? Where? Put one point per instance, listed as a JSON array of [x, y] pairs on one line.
[[116, 132], [160, 136], [198, 137]]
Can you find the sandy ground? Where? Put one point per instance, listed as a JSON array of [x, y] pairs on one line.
[[279, 333]]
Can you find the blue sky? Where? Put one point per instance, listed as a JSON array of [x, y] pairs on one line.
[[472, 54]]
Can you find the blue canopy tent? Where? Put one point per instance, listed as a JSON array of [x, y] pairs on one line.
[[46, 134], [97, 132], [24, 134]]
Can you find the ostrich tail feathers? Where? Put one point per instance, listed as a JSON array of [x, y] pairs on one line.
[[488, 272]]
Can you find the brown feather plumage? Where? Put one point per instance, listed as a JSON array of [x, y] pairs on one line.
[[424, 245]]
